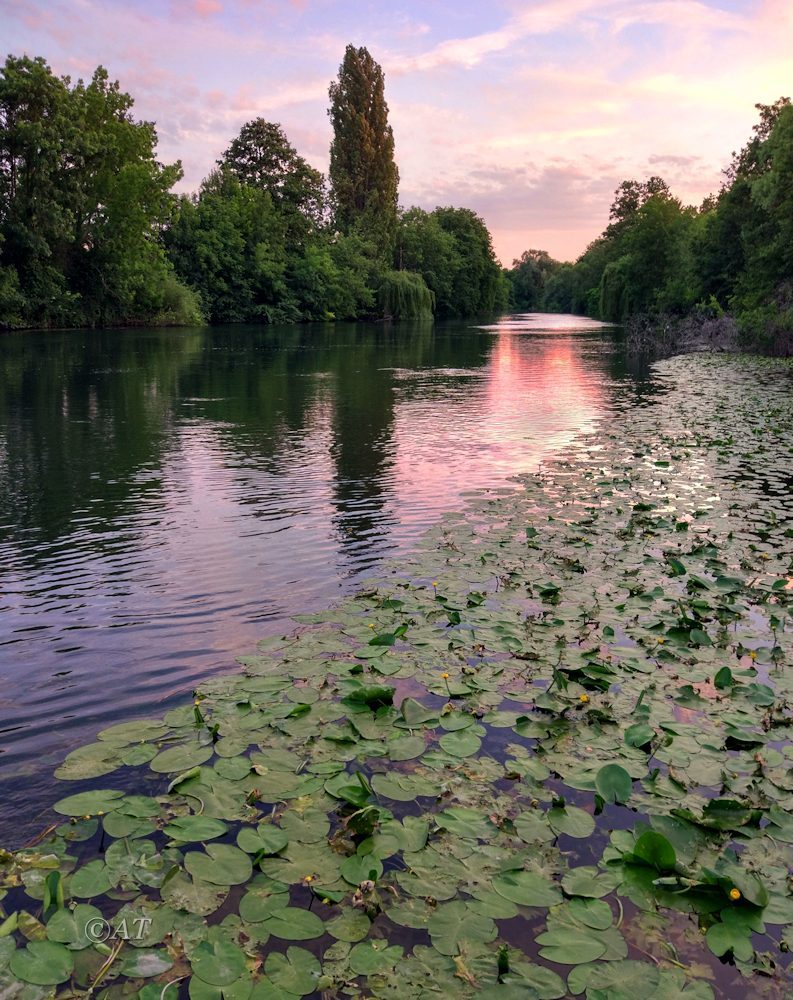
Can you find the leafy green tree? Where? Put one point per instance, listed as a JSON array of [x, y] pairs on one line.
[[363, 174], [262, 157], [228, 244], [424, 246], [528, 278], [478, 283], [82, 197]]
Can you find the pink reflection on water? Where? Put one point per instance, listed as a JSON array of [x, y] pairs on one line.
[[533, 397]]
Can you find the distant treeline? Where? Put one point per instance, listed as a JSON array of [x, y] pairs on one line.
[[659, 258], [91, 235]]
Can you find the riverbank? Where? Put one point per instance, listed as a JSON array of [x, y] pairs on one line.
[[548, 755]]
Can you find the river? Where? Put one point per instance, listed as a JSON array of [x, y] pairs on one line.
[[168, 497]]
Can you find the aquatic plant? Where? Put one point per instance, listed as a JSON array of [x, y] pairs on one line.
[[549, 756]]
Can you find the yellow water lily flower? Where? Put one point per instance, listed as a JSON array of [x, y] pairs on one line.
[[735, 895], [445, 675], [584, 698]]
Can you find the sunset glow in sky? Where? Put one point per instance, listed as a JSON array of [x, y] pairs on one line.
[[529, 112]]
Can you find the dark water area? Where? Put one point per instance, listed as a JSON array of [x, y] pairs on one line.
[[169, 497]]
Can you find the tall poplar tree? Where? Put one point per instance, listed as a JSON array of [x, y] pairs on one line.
[[363, 175]]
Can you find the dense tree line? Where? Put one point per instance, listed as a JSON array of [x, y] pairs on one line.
[[658, 257], [91, 235]]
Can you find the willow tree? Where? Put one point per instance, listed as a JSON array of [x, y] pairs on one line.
[[363, 175]]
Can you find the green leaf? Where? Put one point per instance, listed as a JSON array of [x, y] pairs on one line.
[[452, 924], [567, 946], [527, 888], [43, 963], [654, 849], [188, 829], [294, 924], [265, 838], [182, 757], [463, 743], [613, 783], [349, 925], [221, 865], [371, 957], [145, 963], [572, 821], [296, 973], [722, 938], [218, 962], [589, 881], [102, 800]]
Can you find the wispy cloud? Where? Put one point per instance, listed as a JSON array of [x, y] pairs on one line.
[[529, 111]]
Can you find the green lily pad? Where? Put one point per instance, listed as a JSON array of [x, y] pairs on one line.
[[265, 838], [102, 800], [145, 964], [181, 758], [221, 865], [527, 888], [296, 973], [43, 963], [349, 925], [567, 946], [455, 923], [613, 783], [218, 963], [189, 829], [462, 743], [293, 924], [371, 957]]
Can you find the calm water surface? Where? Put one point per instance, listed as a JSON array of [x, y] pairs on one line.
[[168, 497]]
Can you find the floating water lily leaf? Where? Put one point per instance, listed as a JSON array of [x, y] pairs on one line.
[[626, 978], [415, 714], [639, 735], [221, 865], [588, 881], [655, 850], [359, 868], [258, 904], [265, 838], [571, 820], [93, 879], [371, 957], [533, 827], [527, 888], [350, 925], [182, 757], [466, 823], [406, 748], [293, 924], [452, 924], [306, 827], [218, 963], [90, 803], [613, 783], [43, 963], [567, 946], [297, 972], [592, 913], [404, 787], [462, 743], [191, 894], [722, 938], [188, 829], [72, 927], [145, 964]]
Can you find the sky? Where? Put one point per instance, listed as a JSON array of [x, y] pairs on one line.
[[531, 113]]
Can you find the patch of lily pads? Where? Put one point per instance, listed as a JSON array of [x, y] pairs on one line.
[[548, 757]]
